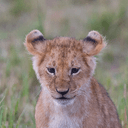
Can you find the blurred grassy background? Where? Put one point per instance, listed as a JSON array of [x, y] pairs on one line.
[[19, 88]]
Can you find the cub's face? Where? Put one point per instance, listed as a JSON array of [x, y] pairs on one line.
[[64, 68], [64, 64]]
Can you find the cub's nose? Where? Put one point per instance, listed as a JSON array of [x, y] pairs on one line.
[[62, 92]]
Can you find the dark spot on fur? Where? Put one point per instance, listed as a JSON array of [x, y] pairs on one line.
[[54, 63], [69, 51], [40, 38], [52, 55], [63, 55], [72, 63], [89, 39], [74, 55]]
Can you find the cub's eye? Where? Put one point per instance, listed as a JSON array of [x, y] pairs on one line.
[[74, 71], [51, 70]]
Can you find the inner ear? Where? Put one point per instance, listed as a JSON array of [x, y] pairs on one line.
[[93, 43], [35, 42]]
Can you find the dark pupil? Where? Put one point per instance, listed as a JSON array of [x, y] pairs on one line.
[[74, 70], [51, 70]]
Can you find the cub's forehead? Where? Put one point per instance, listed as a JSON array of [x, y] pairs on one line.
[[64, 51], [64, 45]]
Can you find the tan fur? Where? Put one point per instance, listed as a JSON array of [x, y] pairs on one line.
[[88, 104]]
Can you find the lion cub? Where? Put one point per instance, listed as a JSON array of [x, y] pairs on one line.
[[70, 96]]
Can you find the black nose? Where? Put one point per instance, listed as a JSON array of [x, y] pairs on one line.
[[62, 92]]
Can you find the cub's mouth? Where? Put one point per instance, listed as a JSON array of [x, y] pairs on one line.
[[63, 98], [64, 101]]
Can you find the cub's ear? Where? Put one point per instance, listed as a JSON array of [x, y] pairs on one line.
[[93, 43], [35, 42]]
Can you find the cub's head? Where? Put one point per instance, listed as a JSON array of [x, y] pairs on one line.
[[63, 65]]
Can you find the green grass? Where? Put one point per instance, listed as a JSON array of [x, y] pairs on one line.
[[19, 88], [19, 7]]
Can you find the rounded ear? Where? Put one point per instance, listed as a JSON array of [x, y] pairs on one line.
[[93, 43], [35, 42]]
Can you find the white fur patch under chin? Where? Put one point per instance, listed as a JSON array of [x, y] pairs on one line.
[[64, 121], [64, 102]]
